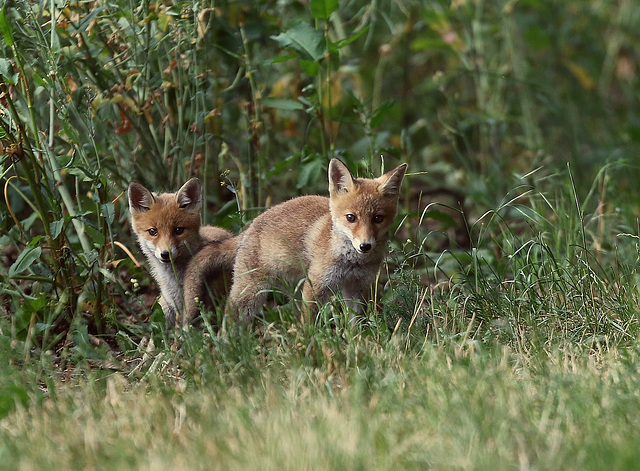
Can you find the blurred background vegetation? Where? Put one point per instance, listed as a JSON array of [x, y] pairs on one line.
[[520, 121]]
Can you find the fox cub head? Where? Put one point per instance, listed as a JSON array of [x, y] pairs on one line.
[[363, 209], [168, 224]]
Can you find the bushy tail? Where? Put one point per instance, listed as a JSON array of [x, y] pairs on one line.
[[208, 275]]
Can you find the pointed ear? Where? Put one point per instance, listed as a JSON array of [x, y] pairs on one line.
[[140, 199], [190, 195], [340, 179], [391, 181]]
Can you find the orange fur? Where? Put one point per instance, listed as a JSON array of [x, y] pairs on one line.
[[169, 233], [208, 275], [334, 243]]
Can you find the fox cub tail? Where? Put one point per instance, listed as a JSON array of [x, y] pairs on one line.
[[208, 275]]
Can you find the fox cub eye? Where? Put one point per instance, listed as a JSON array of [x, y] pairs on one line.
[[152, 232], [178, 230], [351, 217], [378, 218]]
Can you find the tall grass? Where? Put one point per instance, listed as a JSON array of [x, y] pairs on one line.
[[246, 94]]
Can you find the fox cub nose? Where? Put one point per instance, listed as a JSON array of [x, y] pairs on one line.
[[164, 255], [365, 247]]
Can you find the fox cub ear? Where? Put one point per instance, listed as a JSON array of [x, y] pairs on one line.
[[140, 199], [391, 181], [190, 195], [340, 179]]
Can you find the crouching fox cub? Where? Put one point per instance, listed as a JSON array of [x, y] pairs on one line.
[[334, 243], [169, 232]]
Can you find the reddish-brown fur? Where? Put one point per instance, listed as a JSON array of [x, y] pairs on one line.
[[165, 215], [208, 275], [169, 234], [334, 243]]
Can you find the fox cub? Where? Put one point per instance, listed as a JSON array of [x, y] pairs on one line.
[[169, 232], [208, 273], [334, 243]]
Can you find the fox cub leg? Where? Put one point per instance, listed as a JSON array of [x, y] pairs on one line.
[[248, 294], [314, 293]]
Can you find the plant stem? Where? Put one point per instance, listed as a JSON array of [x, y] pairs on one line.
[[53, 162], [253, 123]]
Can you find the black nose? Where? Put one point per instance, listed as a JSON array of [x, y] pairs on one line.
[[365, 247], [164, 256]]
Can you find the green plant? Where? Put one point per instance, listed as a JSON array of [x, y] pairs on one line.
[[507, 316]]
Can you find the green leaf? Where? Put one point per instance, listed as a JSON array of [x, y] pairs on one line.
[[7, 73], [310, 172], [282, 103], [429, 44], [312, 69], [381, 113], [283, 165], [42, 83], [284, 58], [27, 223], [322, 9], [163, 21], [26, 258], [95, 235], [5, 29], [82, 173], [308, 42], [86, 21], [35, 305], [346, 41], [108, 212], [56, 228]]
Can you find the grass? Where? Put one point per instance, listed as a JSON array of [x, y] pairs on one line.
[[507, 324], [365, 406]]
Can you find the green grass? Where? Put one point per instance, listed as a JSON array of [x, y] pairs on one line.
[[356, 404], [506, 330]]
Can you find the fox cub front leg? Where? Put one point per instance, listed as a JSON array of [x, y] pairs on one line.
[[314, 293]]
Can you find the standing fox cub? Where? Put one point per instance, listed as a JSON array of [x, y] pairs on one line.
[[169, 233], [334, 243]]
